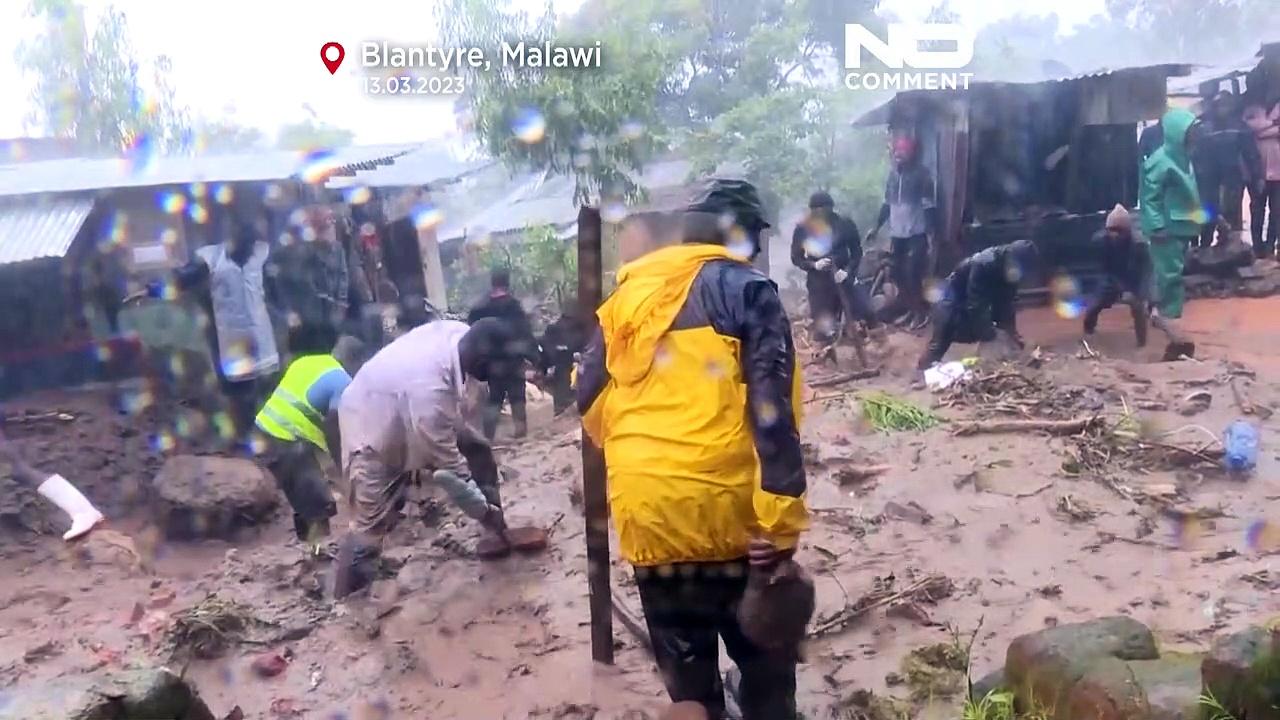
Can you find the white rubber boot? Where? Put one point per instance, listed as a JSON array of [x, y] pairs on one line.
[[84, 516]]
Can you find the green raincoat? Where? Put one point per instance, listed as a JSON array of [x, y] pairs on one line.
[[1171, 210]]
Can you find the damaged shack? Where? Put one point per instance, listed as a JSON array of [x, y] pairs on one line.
[[1043, 160]]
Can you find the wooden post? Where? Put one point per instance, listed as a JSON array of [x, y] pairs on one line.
[[595, 498]]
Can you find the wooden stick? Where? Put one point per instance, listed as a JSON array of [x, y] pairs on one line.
[[1053, 427], [844, 378], [1242, 402], [868, 603], [631, 622], [595, 498]]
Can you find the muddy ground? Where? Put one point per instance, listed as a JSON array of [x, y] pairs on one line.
[[1182, 550]]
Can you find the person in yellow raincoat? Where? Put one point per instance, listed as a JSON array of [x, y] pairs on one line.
[[690, 386]]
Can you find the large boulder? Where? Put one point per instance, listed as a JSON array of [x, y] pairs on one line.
[[1042, 667], [149, 694], [198, 496], [1243, 672], [1171, 685]]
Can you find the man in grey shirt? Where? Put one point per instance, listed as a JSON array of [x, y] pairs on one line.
[[909, 210]]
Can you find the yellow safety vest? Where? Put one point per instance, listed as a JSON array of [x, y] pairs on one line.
[[288, 415]]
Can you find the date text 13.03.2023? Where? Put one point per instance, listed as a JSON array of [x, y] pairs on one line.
[[415, 85]]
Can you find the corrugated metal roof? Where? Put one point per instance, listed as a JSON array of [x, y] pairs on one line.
[[1190, 84], [428, 164], [881, 114], [548, 200], [44, 229], [81, 174]]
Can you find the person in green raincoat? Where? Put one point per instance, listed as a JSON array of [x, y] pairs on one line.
[[1171, 209]]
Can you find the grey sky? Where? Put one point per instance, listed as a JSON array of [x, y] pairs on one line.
[[257, 62]]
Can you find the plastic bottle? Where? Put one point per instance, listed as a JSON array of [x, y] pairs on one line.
[[1241, 443]]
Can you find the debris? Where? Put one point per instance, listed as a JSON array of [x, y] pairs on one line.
[[912, 512], [42, 652], [161, 599], [269, 665], [1087, 352], [631, 622], [908, 610], [1195, 403], [928, 590], [1077, 510], [935, 671], [843, 378], [524, 540], [1050, 591], [854, 474], [1053, 427], [941, 377], [209, 628], [235, 714], [886, 412]]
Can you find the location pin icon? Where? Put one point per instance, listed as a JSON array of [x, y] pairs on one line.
[[331, 54]]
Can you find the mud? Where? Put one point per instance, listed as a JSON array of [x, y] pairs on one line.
[[444, 635]]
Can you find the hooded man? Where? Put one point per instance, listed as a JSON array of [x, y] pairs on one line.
[[507, 384], [978, 300], [1170, 210], [563, 339], [828, 248], [407, 409], [1126, 268], [911, 213], [690, 386], [1226, 161], [54, 488]]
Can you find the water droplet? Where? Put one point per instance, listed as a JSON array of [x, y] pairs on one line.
[[358, 194], [163, 442], [317, 166], [172, 202], [224, 194], [1068, 301], [198, 189], [273, 193], [139, 155], [169, 237], [426, 216], [198, 213], [530, 127], [766, 414]]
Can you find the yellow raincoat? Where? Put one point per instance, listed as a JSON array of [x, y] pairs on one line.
[[684, 476]]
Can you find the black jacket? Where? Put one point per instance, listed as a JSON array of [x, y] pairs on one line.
[[1227, 151], [982, 293], [507, 309], [569, 334], [737, 301], [1126, 260], [845, 251]]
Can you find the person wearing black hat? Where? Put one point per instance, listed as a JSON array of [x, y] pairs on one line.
[[407, 410], [828, 248], [690, 386], [977, 303]]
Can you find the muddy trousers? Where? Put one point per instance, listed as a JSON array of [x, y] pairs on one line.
[[688, 611], [1264, 245], [1113, 292], [1224, 199], [908, 266], [562, 385], [504, 390], [297, 471], [825, 306], [949, 326]]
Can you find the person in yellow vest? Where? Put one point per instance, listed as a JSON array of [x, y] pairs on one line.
[[690, 386], [299, 419]]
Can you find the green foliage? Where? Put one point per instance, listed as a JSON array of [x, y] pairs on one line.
[[596, 125], [542, 267], [996, 705], [1213, 708], [312, 135], [887, 413]]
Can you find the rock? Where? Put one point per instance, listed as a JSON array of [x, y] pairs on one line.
[[1171, 684], [989, 683], [1195, 403], [1243, 673], [134, 695], [162, 599], [198, 497], [269, 665], [1043, 666], [1105, 691]]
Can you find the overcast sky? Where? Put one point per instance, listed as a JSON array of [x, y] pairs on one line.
[[257, 62]]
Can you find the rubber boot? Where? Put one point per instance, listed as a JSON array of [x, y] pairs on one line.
[[1139, 312], [84, 516]]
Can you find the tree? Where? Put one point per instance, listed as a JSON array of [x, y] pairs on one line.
[[91, 87], [597, 125], [224, 136], [312, 135]]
